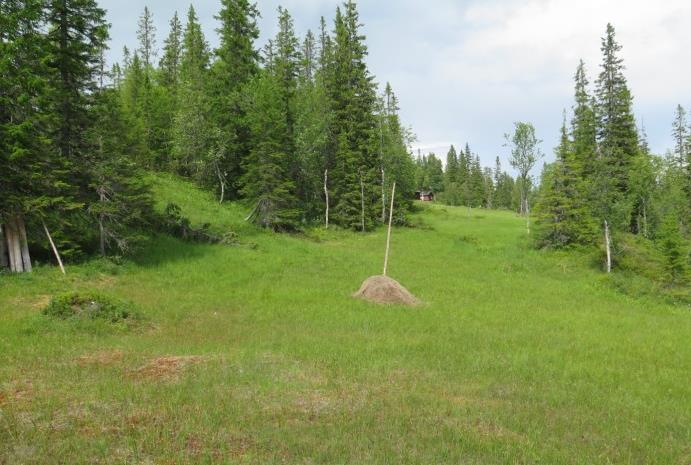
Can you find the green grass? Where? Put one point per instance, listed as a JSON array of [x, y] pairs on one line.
[[516, 357]]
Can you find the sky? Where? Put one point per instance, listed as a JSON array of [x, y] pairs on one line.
[[466, 70]]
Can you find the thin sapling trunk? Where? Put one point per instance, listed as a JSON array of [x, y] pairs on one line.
[[388, 234]]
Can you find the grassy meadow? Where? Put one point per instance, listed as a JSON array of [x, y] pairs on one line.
[[257, 354]]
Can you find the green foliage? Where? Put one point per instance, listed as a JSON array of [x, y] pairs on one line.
[[675, 250], [563, 213], [267, 180], [120, 198], [524, 154]]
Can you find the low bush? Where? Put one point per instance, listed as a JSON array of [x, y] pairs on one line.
[[89, 306]]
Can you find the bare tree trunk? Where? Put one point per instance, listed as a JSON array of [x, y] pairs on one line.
[[383, 197], [527, 212], [362, 204], [17, 247], [4, 261], [388, 234], [608, 248], [24, 243], [55, 249], [14, 251], [326, 195], [645, 222]]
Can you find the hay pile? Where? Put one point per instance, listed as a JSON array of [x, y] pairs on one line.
[[384, 290]]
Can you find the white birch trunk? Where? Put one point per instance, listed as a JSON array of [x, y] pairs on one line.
[[608, 248], [527, 212], [221, 182], [388, 234]]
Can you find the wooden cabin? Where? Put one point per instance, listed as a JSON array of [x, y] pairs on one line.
[[424, 196]]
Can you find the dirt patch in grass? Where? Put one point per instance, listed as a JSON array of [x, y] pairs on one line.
[[35, 302], [16, 391], [103, 358], [163, 368], [384, 290], [491, 430]]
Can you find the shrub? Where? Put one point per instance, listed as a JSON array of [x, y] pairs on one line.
[[89, 307]]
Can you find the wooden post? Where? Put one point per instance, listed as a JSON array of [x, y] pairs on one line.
[[608, 247], [388, 235], [326, 195], [55, 249], [4, 261]]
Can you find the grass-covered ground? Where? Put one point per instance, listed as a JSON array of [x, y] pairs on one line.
[[258, 354]]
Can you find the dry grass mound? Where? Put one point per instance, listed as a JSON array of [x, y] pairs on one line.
[[384, 290]]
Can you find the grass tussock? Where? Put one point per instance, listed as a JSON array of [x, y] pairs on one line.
[[89, 306]]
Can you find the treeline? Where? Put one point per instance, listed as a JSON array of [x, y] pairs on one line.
[[297, 130], [462, 181], [606, 187]]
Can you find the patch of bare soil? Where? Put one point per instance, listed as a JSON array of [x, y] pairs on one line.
[[166, 367], [36, 302], [16, 392], [384, 290], [104, 358]]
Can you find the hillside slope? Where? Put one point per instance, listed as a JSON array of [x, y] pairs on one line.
[[258, 354]]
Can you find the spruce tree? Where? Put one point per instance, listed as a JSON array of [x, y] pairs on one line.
[[77, 33], [172, 55], [122, 204], [32, 180], [451, 190], [272, 171], [396, 161], [267, 180], [680, 132], [563, 215], [617, 135], [146, 33], [191, 127], [235, 66], [584, 126], [353, 101]]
